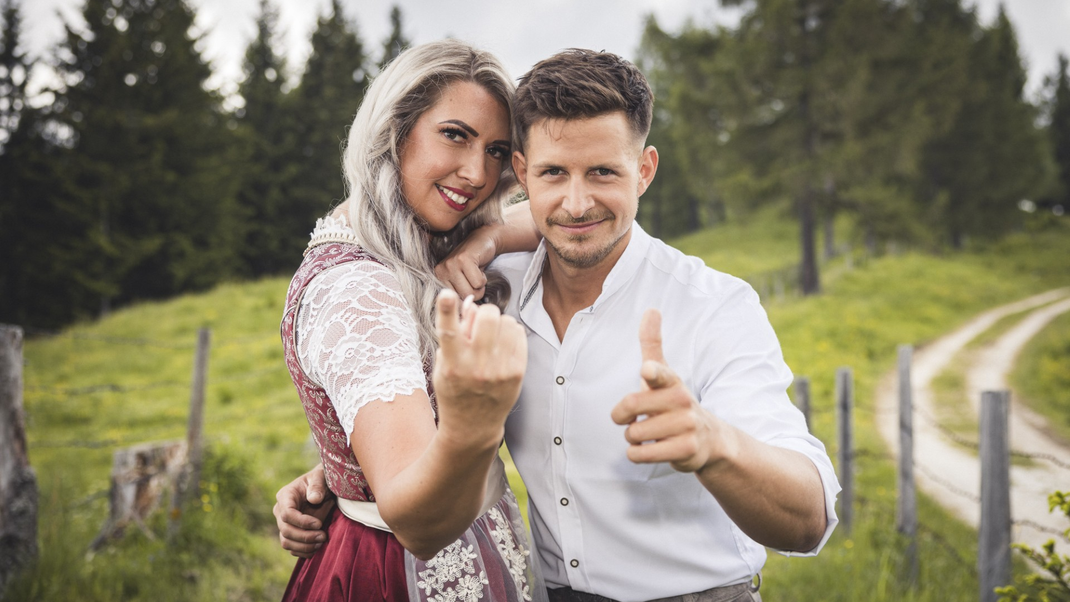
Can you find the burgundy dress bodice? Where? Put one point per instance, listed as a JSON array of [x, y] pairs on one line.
[[340, 466]]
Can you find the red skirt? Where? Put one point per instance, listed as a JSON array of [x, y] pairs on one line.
[[357, 564], [490, 562]]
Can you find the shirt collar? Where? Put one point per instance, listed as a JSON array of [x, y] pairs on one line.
[[621, 274]]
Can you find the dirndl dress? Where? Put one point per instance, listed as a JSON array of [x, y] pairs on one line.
[[492, 561]]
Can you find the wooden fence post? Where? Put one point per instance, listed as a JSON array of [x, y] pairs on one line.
[[844, 404], [190, 479], [802, 398], [906, 518], [18, 483], [994, 537]]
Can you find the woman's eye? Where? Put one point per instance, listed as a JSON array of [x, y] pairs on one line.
[[454, 134], [497, 152]]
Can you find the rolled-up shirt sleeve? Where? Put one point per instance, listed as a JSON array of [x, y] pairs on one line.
[[745, 383]]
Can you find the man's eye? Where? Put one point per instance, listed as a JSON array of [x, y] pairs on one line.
[[602, 171], [553, 171]]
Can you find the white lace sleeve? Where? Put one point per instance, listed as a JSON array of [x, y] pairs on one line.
[[356, 338]]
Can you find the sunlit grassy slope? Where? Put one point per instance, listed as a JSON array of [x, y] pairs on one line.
[[1042, 375], [125, 380]]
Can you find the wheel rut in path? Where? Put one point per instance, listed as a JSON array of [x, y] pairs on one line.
[[951, 474]]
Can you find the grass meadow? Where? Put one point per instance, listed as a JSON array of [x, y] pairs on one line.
[[1042, 376], [125, 380]]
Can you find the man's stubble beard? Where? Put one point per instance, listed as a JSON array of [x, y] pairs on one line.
[[583, 259]]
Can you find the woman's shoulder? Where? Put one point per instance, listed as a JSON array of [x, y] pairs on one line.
[[332, 229], [333, 249], [358, 278]]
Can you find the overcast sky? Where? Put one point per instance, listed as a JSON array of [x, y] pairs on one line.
[[520, 33]]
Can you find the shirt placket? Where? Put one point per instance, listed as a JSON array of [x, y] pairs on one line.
[[568, 507]]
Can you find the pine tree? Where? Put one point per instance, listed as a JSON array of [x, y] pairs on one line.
[[267, 132], [993, 155], [686, 130], [1059, 130], [14, 70], [42, 240], [149, 153], [326, 100], [878, 119], [779, 119], [396, 41], [812, 105]]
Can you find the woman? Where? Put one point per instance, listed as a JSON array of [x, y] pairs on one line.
[[409, 450]]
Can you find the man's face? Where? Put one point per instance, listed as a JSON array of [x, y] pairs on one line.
[[584, 178]]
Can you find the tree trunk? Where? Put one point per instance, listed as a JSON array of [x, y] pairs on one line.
[[809, 282], [830, 242], [829, 218], [693, 213], [18, 484], [139, 475]]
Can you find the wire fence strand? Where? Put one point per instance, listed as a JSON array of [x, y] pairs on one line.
[[946, 484], [1025, 522], [144, 341]]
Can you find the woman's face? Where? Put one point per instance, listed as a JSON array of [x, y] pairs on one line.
[[454, 155]]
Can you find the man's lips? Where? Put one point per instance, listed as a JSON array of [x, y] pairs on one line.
[[583, 228]]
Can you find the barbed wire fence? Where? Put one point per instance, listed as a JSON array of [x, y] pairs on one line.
[[844, 408], [992, 445], [137, 464]]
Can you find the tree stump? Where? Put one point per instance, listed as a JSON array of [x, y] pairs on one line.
[[18, 484], [139, 475]]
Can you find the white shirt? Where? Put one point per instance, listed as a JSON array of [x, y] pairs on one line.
[[601, 523]]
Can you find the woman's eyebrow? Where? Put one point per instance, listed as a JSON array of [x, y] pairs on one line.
[[462, 125]]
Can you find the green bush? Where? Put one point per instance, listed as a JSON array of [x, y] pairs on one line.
[[1052, 582]]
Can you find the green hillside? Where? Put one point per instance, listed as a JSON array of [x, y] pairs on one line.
[[125, 380], [1042, 375]]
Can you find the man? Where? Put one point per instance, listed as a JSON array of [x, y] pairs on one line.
[[652, 471]]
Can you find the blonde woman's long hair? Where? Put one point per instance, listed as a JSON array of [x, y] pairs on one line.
[[381, 218]]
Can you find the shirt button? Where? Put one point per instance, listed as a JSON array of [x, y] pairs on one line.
[[564, 501], [575, 563], [560, 380], [557, 440]]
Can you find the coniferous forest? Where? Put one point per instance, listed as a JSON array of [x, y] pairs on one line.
[[133, 179], [134, 182]]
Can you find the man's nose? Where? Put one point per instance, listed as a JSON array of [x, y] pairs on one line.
[[578, 199]]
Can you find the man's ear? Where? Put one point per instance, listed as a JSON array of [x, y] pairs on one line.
[[520, 168], [648, 166]]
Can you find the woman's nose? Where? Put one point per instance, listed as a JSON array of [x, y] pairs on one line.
[[474, 169]]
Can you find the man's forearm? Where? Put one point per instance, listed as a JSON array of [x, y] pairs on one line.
[[774, 494]]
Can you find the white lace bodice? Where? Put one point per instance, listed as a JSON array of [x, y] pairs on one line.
[[357, 339]]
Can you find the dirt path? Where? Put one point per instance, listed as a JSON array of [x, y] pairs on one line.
[[951, 474]]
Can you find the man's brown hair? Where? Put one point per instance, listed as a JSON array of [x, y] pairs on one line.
[[579, 84]]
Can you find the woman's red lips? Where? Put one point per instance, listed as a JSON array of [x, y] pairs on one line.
[[452, 204], [467, 195]]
